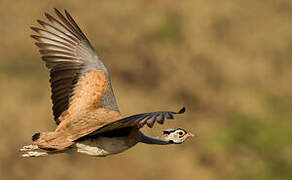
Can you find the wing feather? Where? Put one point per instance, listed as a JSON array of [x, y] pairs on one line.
[[78, 78], [138, 121]]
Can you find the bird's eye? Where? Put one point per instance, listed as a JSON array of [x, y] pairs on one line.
[[180, 133]]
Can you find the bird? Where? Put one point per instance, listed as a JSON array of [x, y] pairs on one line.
[[85, 109]]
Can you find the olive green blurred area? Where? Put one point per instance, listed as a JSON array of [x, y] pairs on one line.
[[228, 62]]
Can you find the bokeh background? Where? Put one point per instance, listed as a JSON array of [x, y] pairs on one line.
[[228, 62]]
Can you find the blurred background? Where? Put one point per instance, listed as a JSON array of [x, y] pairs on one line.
[[228, 62]]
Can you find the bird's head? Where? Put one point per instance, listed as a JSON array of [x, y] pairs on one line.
[[177, 135]]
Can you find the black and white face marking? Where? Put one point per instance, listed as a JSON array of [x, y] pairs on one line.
[[181, 132], [168, 131], [177, 135]]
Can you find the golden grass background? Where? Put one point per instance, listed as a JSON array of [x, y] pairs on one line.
[[228, 62]]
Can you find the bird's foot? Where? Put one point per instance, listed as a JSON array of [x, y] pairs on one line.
[[34, 154], [29, 148]]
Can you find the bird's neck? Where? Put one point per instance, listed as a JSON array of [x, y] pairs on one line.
[[153, 140]]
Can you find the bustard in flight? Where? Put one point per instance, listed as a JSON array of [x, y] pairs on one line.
[[84, 106]]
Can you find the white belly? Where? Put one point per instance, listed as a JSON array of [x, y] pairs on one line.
[[103, 146]]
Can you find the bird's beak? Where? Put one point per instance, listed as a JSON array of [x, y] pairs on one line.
[[190, 135]]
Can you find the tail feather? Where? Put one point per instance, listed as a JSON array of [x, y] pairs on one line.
[[36, 136]]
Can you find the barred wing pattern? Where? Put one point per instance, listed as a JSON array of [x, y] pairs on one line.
[[71, 60], [139, 120]]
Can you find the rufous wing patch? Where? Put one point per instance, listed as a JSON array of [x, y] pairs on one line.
[[87, 93]]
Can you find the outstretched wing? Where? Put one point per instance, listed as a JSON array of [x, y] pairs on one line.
[[138, 121], [79, 80]]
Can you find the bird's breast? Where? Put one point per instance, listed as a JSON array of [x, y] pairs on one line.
[[104, 146]]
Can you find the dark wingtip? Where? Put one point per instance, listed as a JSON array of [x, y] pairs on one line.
[[181, 111], [56, 10], [34, 28], [46, 14], [36, 136], [66, 12], [40, 22], [34, 36]]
